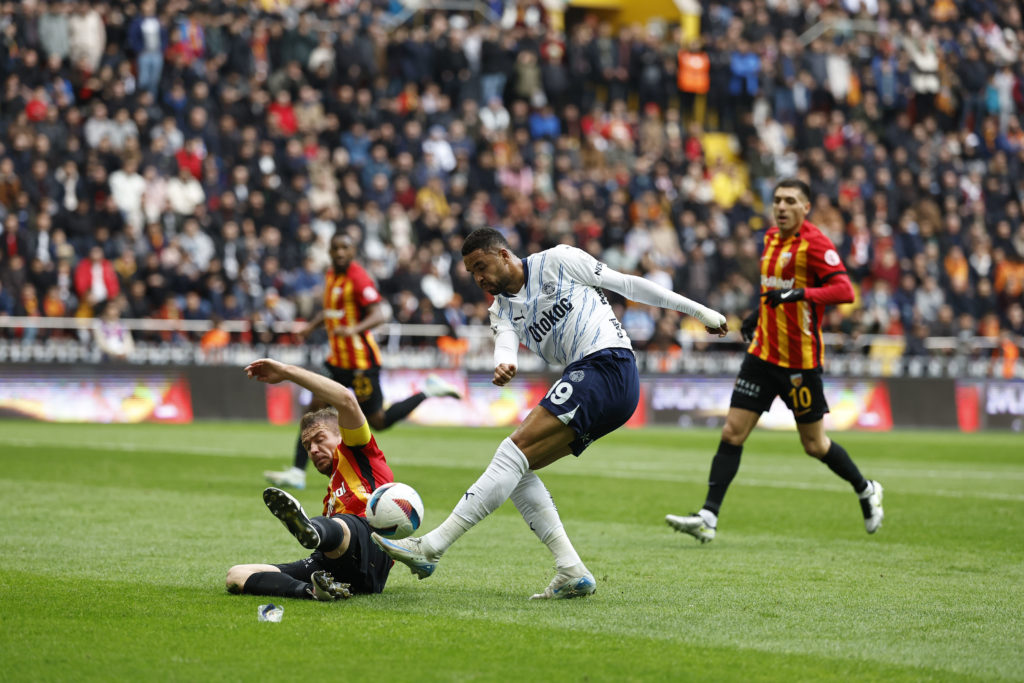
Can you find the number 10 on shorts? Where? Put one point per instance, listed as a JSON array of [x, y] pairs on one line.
[[559, 392]]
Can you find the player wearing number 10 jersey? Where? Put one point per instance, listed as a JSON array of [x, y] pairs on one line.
[[554, 304], [800, 273]]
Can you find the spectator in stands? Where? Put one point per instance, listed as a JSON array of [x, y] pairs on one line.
[[112, 336], [916, 165]]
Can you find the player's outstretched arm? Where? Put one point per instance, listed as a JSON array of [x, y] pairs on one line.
[[270, 371], [506, 352], [644, 291]]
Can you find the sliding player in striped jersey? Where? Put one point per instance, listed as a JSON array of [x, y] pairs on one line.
[[344, 559], [553, 303], [801, 272]]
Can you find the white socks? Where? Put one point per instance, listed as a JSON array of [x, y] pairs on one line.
[[491, 490], [535, 504], [507, 476]]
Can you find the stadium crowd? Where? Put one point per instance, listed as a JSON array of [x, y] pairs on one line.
[[190, 159]]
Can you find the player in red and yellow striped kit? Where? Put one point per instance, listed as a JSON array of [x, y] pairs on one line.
[[352, 307], [341, 446], [801, 273]]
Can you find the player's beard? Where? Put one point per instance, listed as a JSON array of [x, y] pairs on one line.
[[498, 286], [322, 466]]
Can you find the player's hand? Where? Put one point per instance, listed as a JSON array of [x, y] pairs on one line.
[[503, 374], [346, 331], [267, 370], [714, 322], [749, 327], [304, 333], [774, 297]]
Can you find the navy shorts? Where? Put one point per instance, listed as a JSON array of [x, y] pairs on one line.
[[596, 395], [364, 566], [759, 382]]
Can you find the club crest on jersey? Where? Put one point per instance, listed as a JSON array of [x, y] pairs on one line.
[[548, 319], [796, 380], [548, 288], [784, 258], [576, 376]]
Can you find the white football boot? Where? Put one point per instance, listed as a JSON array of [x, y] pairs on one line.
[[572, 582], [434, 386], [871, 506], [409, 551], [701, 525], [293, 477]]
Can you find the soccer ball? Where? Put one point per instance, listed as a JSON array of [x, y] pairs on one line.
[[394, 510]]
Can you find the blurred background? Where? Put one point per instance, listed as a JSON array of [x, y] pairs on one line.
[[171, 173]]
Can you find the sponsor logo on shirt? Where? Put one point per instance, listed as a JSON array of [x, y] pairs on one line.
[[777, 282], [548, 319]]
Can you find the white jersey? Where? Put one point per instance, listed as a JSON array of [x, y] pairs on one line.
[[561, 313]]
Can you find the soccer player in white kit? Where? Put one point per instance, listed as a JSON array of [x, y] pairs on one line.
[[553, 303]]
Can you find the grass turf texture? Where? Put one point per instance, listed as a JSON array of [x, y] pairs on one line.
[[114, 542]]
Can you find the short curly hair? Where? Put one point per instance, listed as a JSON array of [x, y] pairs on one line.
[[487, 239]]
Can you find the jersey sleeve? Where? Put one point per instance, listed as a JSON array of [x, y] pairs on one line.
[[578, 264], [499, 323], [506, 339], [363, 287], [823, 261]]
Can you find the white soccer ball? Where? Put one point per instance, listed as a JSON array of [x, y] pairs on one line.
[[394, 510]]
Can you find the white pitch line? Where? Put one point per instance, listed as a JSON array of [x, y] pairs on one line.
[[138, 448], [643, 471]]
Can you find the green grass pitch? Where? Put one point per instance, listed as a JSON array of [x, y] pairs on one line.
[[114, 542]]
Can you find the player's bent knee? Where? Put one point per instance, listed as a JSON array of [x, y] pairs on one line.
[[346, 539], [376, 421], [815, 449], [733, 435], [240, 573], [236, 578]]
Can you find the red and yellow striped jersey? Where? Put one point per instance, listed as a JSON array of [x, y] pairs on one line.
[[346, 297], [790, 335], [356, 471]]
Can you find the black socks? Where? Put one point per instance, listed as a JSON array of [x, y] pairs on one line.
[[276, 584], [331, 534], [723, 468], [838, 460], [301, 456], [399, 410]]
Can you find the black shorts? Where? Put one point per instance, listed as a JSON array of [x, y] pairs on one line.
[[759, 382], [364, 383], [364, 566]]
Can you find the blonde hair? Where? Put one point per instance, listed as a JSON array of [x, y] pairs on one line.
[[324, 417]]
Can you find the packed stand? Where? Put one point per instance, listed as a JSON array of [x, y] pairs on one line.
[[191, 159]]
